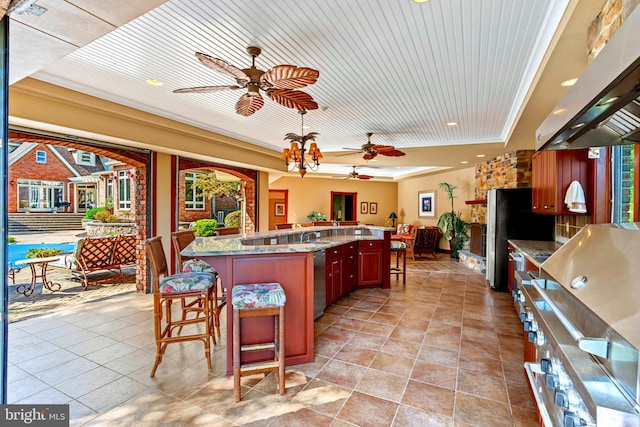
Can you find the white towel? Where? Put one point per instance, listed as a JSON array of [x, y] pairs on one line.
[[575, 198]]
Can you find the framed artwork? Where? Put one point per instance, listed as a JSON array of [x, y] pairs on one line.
[[427, 203], [278, 209], [373, 208], [364, 207]]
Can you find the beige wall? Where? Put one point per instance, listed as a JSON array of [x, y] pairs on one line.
[[314, 194], [163, 202], [409, 189]]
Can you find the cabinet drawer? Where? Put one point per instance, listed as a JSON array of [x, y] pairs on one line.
[[371, 244]]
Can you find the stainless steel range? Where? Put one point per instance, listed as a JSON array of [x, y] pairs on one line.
[[583, 315]]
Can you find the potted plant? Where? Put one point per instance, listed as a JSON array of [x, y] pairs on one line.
[[453, 227], [316, 216]]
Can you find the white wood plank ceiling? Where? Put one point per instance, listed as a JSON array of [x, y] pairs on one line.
[[393, 67]]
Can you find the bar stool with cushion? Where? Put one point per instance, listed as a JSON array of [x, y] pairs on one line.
[[400, 249], [255, 300], [168, 288], [181, 240]]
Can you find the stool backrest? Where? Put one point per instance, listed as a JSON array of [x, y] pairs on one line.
[[158, 261], [283, 226], [181, 240]]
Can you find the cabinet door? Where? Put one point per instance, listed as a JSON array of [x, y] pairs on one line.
[[349, 267], [369, 262], [333, 274], [552, 173]]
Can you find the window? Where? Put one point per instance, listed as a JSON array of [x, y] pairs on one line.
[[37, 194], [622, 183], [124, 191], [85, 158], [41, 157], [194, 201]]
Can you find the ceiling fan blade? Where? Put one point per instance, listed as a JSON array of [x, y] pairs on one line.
[[247, 105], [351, 148], [206, 89], [222, 67], [293, 99], [360, 176], [289, 77], [369, 156], [388, 150]]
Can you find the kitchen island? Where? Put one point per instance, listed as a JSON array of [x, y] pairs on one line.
[[285, 257]]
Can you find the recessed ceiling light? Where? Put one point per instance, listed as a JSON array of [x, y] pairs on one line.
[[479, 155], [464, 162], [154, 82], [569, 82], [420, 1], [452, 123], [306, 127], [558, 111]]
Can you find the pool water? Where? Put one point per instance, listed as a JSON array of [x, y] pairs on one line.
[[18, 251]]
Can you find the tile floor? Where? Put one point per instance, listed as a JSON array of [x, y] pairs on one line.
[[440, 351]]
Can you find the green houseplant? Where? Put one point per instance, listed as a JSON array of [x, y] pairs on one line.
[[453, 227], [316, 216]]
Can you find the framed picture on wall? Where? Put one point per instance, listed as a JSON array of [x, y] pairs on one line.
[[427, 204], [373, 208], [278, 209], [364, 207]]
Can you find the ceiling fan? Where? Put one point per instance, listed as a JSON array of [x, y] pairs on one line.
[[370, 150], [279, 83], [356, 175]]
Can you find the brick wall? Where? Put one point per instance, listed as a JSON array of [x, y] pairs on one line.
[[27, 168], [511, 170]]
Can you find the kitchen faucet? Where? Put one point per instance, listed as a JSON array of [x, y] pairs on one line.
[[305, 236]]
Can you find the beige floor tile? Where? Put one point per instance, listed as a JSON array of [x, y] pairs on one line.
[[362, 409]]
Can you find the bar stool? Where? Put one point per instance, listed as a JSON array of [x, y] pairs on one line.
[[255, 300], [400, 248]]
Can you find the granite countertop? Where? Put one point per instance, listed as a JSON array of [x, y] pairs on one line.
[[217, 246], [537, 251]]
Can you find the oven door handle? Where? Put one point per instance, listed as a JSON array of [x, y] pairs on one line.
[[530, 368], [596, 346]]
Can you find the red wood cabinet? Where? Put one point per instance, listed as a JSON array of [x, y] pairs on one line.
[[349, 267], [369, 262], [552, 173], [334, 274]]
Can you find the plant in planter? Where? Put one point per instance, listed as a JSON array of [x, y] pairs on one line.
[[205, 227], [232, 219], [43, 253], [453, 227], [316, 216]]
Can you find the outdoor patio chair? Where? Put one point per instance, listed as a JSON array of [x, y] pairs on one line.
[[168, 288]]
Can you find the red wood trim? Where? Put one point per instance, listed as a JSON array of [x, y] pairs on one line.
[[154, 194], [175, 205], [636, 182], [600, 176], [476, 202]]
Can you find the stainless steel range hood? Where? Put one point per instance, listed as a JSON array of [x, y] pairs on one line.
[[603, 107]]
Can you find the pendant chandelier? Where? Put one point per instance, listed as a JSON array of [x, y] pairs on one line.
[[295, 156]]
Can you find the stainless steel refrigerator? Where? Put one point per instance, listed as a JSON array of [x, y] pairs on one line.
[[509, 216]]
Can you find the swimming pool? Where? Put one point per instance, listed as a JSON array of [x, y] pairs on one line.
[[18, 251]]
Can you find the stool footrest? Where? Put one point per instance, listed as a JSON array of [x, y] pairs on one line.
[[259, 366], [258, 347]]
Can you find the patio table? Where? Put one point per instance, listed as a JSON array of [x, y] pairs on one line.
[[33, 263]]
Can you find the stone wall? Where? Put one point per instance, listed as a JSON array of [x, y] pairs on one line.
[[511, 170], [98, 229], [608, 21]]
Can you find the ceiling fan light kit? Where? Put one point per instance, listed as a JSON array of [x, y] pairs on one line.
[[279, 83], [294, 156]]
